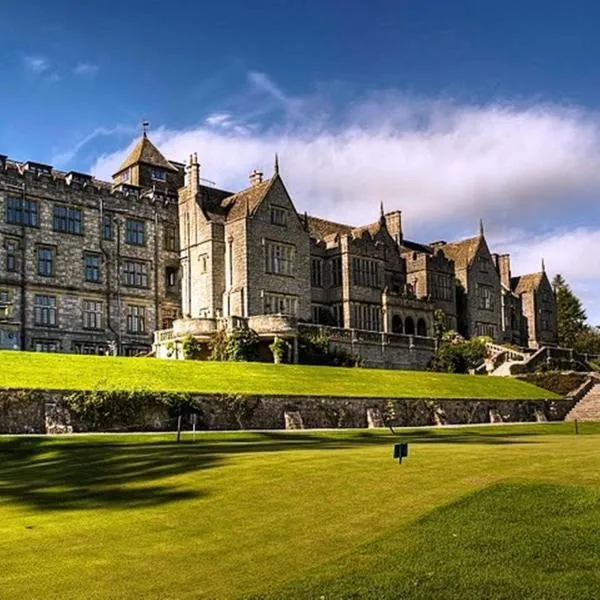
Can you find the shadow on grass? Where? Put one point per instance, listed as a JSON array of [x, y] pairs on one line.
[[508, 541], [89, 472], [48, 474]]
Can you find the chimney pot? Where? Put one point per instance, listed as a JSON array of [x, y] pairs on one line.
[[256, 177]]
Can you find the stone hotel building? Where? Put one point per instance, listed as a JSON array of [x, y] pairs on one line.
[[153, 256]]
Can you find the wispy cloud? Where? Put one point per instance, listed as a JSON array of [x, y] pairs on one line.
[[64, 157], [86, 69], [526, 168], [37, 64]]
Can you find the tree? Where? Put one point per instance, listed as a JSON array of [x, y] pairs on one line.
[[570, 313], [457, 355]]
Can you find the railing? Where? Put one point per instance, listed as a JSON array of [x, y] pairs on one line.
[[358, 336], [163, 335], [510, 354]]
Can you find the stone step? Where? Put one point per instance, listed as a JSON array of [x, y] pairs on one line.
[[588, 408]]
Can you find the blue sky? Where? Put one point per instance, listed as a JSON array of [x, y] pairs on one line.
[[447, 111]]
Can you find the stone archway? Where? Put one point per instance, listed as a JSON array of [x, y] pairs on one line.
[[397, 326], [409, 326], [422, 327]]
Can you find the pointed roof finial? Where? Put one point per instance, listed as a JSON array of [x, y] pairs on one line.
[[543, 265], [276, 164], [381, 211], [481, 227], [145, 127]]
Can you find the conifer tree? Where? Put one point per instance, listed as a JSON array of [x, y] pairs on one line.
[[570, 312]]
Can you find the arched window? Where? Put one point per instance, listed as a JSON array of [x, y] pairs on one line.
[[421, 327], [409, 327], [397, 324]]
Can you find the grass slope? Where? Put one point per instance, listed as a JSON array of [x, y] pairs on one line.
[[68, 371], [487, 512]]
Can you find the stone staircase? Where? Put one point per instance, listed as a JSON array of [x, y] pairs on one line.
[[588, 407]]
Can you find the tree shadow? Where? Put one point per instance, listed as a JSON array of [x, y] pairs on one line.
[[50, 474]]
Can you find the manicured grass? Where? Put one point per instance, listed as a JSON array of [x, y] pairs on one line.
[[68, 371], [481, 512]]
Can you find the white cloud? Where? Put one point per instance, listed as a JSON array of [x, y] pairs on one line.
[[442, 165], [37, 64], [85, 69], [527, 169]]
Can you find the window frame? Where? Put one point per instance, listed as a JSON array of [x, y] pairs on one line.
[[25, 212], [135, 273], [133, 232], [45, 314], [67, 219], [44, 262]]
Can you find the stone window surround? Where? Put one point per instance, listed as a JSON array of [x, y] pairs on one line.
[[135, 273], [91, 270], [93, 314], [136, 319], [280, 304], [67, 219], [22, 211], [45, 310], [135, 232], [46, 260], [280, 258]]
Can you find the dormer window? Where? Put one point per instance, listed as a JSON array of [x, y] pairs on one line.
[[159, 175]]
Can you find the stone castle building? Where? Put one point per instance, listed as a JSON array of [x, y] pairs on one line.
[[86, 265]]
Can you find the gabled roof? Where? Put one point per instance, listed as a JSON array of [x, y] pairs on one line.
[[147, 153], [526, 283], [321, 228], [245, 202], [416, 247], [463, 251]]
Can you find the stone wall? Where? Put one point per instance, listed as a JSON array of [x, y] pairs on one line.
[[32, 411]]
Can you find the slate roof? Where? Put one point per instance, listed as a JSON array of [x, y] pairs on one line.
[[321, 228], [146, 152], [526, 283], [463, 251], [245, 202], [416, 247]]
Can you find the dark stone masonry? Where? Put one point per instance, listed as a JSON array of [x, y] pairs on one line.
[[36, 411]]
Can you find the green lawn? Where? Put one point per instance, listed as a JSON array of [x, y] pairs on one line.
[[489, 513], [68, 371]]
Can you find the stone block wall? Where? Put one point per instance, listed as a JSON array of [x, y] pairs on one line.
[[33, 411]]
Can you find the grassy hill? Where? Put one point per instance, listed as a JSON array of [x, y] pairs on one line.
[[484, 513], [75, 372]]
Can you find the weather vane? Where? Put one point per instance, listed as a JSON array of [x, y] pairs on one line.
[[145, 127]]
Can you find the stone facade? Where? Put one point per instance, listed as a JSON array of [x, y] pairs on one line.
[[86, 265]]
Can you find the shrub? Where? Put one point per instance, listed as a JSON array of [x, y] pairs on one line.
[[457, 355], [191, 348], [278, 348], [239, 344], [317, 350]]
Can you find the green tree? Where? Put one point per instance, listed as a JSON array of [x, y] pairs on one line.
[[570, 313]]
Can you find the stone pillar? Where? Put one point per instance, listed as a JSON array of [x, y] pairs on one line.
[[495, 416], [293, 419], [374, 418], [296, 358]]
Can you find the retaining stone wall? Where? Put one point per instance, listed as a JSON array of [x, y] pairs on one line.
[[33, 411]]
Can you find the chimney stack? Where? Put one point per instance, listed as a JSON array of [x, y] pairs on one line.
[[256, 177], [504, 269], [194, 174], [393, 222]]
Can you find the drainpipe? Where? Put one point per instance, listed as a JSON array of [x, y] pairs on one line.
[[108, 274]]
